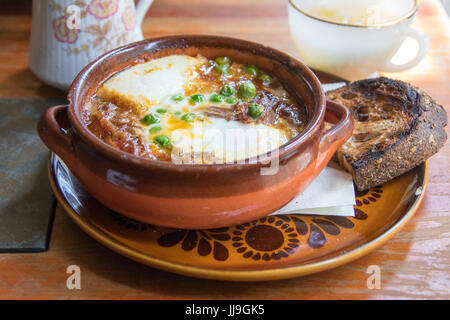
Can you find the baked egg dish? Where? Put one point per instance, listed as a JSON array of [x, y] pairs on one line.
[[197, 110]]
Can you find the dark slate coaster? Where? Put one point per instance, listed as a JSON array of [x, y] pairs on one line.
[[26, 201]]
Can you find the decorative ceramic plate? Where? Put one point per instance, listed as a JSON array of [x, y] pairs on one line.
[[273, 247]]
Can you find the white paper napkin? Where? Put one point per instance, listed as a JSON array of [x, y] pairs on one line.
[[331, 194]]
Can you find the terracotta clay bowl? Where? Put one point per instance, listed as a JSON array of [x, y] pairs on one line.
[[211, 195]]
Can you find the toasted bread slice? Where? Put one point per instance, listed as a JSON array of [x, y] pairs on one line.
[[397, 127]]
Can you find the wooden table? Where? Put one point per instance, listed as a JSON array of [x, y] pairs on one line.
[[415, 264]]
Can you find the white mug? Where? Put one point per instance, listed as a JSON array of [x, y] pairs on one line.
[[68, 34], [354, 51]]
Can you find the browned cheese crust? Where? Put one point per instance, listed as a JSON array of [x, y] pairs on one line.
[[397, 127]]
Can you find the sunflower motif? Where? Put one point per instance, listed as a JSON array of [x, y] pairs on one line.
[[206, 241], [268, 238]]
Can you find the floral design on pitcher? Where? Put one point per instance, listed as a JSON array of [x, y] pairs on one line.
[[62, 32], [102, 9], [104, 34], [129, 18]]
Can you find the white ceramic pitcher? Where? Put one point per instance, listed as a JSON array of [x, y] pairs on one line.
[[67, 34]]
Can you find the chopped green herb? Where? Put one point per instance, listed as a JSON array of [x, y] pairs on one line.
[[247, 90], [265, 79], [216, 98], [231, 100], [155, 129], [227, 90], [197, 98], [222, 60], [255, 110], [188, 117], [177, 97], [161, 110], [223, 69], [251, 70], [177, 113], [162, 141], [151, 118]]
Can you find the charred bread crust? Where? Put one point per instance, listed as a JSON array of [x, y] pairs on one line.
[[420, 133]]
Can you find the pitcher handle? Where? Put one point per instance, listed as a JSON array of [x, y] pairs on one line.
[[141, 9]]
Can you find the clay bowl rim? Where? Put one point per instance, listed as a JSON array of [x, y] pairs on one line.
[[285, 150]]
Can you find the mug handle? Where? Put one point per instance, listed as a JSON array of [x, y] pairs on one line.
[[141, 9], [50, 129], [424, 45], [334, 137]]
